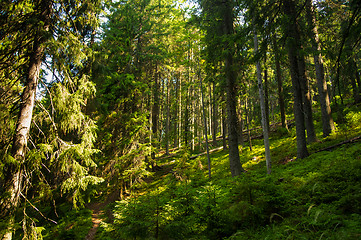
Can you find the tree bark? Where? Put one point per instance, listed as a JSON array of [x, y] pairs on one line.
[[231, 76], [327, 120], [293, 47]]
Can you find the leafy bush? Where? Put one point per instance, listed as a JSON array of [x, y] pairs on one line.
[[354, 119]]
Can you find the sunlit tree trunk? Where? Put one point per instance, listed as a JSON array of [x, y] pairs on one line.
[[327, 120]]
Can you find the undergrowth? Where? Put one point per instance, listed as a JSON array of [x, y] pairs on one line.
[[318, 197]]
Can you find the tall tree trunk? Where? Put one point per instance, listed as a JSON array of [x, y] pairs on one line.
[[353, 77], [175, 142], [281, 100], [13, 170], [240, 123], [247, 123], [266, 98], [155, 110], [224, 126], [180, 111], [231, 77], [205, 124], [307, 101], [263, 110], [186, 120], [214, 116], [294, 47], [210, 109], [327, 120], [167, 122], [358, 77]]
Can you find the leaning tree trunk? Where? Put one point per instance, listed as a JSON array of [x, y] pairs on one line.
[[293, 47], [327, 120], [231, 76], [13, 181]]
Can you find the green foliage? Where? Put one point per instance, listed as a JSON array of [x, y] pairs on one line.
[[73, 224], [354, 119], [316, 197]]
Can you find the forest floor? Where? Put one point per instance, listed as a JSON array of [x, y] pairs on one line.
[[317, 197]]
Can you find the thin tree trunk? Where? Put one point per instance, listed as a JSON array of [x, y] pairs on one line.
[[247, 123], [263, 110], [240, 123], [214, 116], [210, 109], [186, 120], [327, 120], [155, 111], [231, 76], [224, 127], [293, 51], [281, 100], [180, 111], [266, 98], [167, 132], [205, 125]]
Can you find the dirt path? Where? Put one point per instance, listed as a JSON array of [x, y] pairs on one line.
[[98, 213], [97, 209]]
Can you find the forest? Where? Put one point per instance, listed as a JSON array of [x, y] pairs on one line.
[[180, 119]]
